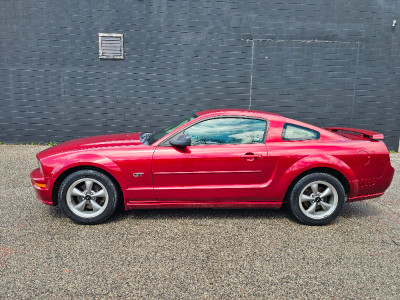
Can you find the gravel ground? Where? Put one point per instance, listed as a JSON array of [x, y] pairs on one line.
[[193, 254]]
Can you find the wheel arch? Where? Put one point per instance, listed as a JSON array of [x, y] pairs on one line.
[[65, 173], [335, 173]]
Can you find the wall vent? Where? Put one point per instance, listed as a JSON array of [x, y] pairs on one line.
[[111, 45]]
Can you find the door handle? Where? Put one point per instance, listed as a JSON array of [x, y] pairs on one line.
[[251, 156]]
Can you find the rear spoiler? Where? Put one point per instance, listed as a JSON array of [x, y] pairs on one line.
[[365, 133]]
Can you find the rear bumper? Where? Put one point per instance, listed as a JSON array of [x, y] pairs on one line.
[[373, 188], [42, 193]]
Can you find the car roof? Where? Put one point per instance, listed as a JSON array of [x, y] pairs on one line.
[[235, 111], [254, 113], [267, 115]]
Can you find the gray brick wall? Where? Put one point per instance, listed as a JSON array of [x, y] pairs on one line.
[[323, 62]]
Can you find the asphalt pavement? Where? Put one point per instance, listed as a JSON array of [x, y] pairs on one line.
[[193, 254]]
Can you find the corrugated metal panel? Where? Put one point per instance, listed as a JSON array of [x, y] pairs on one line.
[[111, 45]]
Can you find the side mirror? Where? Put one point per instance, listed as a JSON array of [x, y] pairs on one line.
[[181, 140]]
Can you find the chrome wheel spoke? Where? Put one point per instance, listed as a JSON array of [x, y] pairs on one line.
[[327, 192], [318, 205], [305, 198], [81, 206], [82, 195], [325, 206], [95, 205], [314, 188], [89, 185], [101, 193], [311, 209], [78, 193]]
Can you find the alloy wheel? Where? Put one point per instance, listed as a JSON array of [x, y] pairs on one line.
[[318, 200], [87, 198]]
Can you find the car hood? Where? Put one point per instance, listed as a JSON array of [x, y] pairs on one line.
[[101, 141]]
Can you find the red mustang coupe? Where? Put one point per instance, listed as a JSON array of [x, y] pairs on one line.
[[217, 158]]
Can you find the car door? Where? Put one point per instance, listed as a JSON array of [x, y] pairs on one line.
[[226, 162]]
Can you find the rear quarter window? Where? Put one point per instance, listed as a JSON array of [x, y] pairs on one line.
[[293, 132]]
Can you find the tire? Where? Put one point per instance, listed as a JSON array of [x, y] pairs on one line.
[[85, 207], [319, 209]]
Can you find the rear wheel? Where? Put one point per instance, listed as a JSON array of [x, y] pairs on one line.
[[88, 197], [316, 199]]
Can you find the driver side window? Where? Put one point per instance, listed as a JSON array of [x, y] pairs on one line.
[[222, 131]]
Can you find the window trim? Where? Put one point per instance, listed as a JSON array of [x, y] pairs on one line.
[[299, 139], [167, 144]]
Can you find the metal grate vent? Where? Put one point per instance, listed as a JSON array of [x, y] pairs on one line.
[[111, 45]]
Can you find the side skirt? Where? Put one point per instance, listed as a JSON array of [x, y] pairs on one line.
[[364, 197], [147, 205]]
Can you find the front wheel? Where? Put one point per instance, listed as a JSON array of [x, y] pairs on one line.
[[88, 197], [316, 199]]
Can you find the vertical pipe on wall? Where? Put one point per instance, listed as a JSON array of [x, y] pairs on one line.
[[251, 71]]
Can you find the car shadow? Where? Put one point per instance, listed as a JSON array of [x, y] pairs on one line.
[[201, 213], [56, 212], [356, 210]]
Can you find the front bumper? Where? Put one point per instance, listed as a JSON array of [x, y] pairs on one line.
[[42, 193]]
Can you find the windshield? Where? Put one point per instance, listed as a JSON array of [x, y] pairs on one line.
[[160, 134]]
